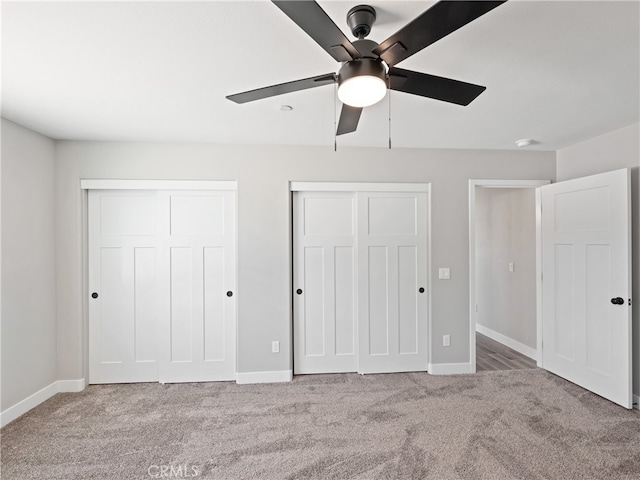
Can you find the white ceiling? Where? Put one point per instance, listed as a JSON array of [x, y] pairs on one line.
[[555, 71]]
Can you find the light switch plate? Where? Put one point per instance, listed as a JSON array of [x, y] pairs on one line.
[[444, 273]]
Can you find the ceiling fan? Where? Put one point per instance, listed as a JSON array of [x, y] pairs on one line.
[[368, 68]]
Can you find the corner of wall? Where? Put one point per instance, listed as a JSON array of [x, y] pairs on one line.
[[29, 260], [32, 401]]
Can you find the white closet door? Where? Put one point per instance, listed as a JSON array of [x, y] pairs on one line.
[[324, 282], [197, 288], [392, 281], [162, 270], [123, 310]]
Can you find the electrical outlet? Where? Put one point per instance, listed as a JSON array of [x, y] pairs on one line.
[[512, 267], [275, 346], [446, 340], [444, 273]]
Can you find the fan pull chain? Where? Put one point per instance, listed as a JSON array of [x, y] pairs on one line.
[[389, 103], [335, 124]]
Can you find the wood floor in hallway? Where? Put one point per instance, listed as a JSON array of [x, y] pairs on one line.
[[492, 355]]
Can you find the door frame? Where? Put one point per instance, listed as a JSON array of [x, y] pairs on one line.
[[87, 184], [473, 183], [356, 187]]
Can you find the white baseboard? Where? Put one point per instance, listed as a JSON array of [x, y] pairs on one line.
[[449, 368], [71, 386], [509, 342], [264, 377], [42, 395]]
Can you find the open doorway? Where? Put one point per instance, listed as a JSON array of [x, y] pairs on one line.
[[503, 274]]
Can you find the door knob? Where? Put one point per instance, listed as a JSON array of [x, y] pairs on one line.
[[421, 290], [617, 301], [229, 293], [94, 295], [299, 291]]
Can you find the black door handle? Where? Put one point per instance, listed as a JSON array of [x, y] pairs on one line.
[[299, 291], [617, 301], [229, 293], [421, 290], [94, 295]]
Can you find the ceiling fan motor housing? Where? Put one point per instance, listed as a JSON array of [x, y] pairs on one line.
[[366, 48], [362, 66], [360, 20]]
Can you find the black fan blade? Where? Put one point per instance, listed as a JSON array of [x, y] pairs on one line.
[[281, 88], [437, 22], [311, 18], [439, 88], [349, 117]]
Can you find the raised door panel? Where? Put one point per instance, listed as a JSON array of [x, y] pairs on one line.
[[145, 308], [344, 301], [378, 300], [215, 326], [408, 310], [183, 291]]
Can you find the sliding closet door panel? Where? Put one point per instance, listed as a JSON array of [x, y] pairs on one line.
[[198, 328], [122, 281], [324, 282], [392, 249]]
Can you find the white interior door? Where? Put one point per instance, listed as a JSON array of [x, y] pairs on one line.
[[197, 288], [392, 281], [324, 282], [123, 311], [586, 263], [162, 271]]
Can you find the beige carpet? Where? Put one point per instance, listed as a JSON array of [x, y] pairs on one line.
[[524, 424]]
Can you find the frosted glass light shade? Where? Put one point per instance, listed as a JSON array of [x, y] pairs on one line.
[[362, 90], [362, 82]]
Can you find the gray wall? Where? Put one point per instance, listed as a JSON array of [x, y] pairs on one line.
[[264, 265], [611, 151], [41, 200], [506, 232], [28, 350]]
